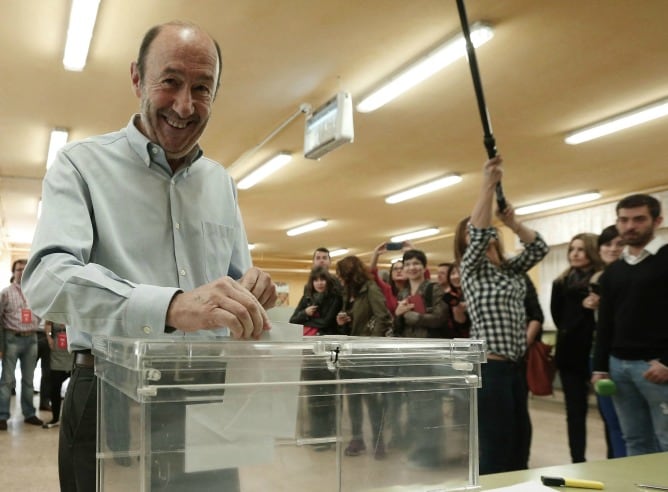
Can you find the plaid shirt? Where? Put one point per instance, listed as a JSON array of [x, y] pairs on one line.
[[495, 295], [12, 301]]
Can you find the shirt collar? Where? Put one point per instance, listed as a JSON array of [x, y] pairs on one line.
[[651, 248], [149, 151]]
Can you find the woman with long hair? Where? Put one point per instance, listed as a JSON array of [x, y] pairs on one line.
[[609, 249], [317, 312], [494, 288], [454, 297], [396, 281], [575, 332], [318, 307], [364, 314]]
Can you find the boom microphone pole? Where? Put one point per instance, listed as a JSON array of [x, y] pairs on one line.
[[488, 139]]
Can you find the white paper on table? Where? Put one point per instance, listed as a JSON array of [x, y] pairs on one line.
[[240, 430], [535, 486]]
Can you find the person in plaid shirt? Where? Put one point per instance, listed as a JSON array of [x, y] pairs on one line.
[[495, 289]]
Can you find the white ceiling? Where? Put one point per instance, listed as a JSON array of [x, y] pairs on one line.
[[552, 67]]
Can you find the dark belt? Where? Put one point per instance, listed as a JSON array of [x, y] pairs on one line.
[[84, 359], [21, 333]]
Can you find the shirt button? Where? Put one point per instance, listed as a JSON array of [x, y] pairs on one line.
[[183, 273], [154, 150], [178, 226], [147, 329]]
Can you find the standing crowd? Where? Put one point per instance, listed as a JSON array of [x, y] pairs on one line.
[[485, 295]]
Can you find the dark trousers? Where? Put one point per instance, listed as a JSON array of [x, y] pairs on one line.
[[375, 407], [77, 447], [56, 380], [575, 384], [503, 417], [44, 355]]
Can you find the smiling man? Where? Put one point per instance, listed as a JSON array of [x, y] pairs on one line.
[[632, 338], [141, 236]]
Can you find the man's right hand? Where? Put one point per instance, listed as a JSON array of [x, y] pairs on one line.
[[597, 376], [221, 303]]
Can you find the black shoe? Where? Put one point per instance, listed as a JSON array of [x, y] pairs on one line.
[[34, 420], [50, 425], [355, 448], [3, 425]]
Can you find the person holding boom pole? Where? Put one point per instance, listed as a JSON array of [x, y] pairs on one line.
[[495, 288]]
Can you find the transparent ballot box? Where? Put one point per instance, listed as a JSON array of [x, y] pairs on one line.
[[317, 414]]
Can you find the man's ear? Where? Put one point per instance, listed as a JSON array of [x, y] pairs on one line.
[[658, 221], [136, 79]]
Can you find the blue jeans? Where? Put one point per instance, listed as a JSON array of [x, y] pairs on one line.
[[503, 417], [613, 431], [642, 407], [22, 349]]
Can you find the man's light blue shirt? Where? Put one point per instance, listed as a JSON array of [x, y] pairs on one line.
[[120, 234]]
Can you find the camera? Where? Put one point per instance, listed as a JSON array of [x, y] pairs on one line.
[[393, 246]]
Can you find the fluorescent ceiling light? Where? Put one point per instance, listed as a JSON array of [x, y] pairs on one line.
[[56, 141], [311, 226], [425, 188], [338, 252], [414, 235], [251, 246], [558, 203], [266, 169], [618, 123], [425, 67], [79, 33]]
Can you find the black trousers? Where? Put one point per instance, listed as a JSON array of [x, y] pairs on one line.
[[76, 449], [503, 417], [575, 384], [77, 446], [56, 380], [44, 355]]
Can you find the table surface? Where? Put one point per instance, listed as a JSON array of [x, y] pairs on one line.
[[618, 475]]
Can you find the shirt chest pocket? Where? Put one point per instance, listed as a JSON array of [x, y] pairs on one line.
[[218, 240]]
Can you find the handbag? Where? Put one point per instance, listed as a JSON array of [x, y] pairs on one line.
[[310, 331], [541, 368]]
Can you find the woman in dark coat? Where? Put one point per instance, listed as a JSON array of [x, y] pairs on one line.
[[575, 332]]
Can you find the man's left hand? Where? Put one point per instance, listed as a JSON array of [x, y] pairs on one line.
[[259, 284], [657, 372]]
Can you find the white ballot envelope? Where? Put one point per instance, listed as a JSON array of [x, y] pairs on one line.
[[259, 405]]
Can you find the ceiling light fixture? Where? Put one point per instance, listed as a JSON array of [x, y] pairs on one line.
[[56, 141], [338, 252], [425, 67], [424, 188], [251, 246], [621, 122], [311, 226], [415, 235], [266, 169], [79, 33], [558, 203]]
